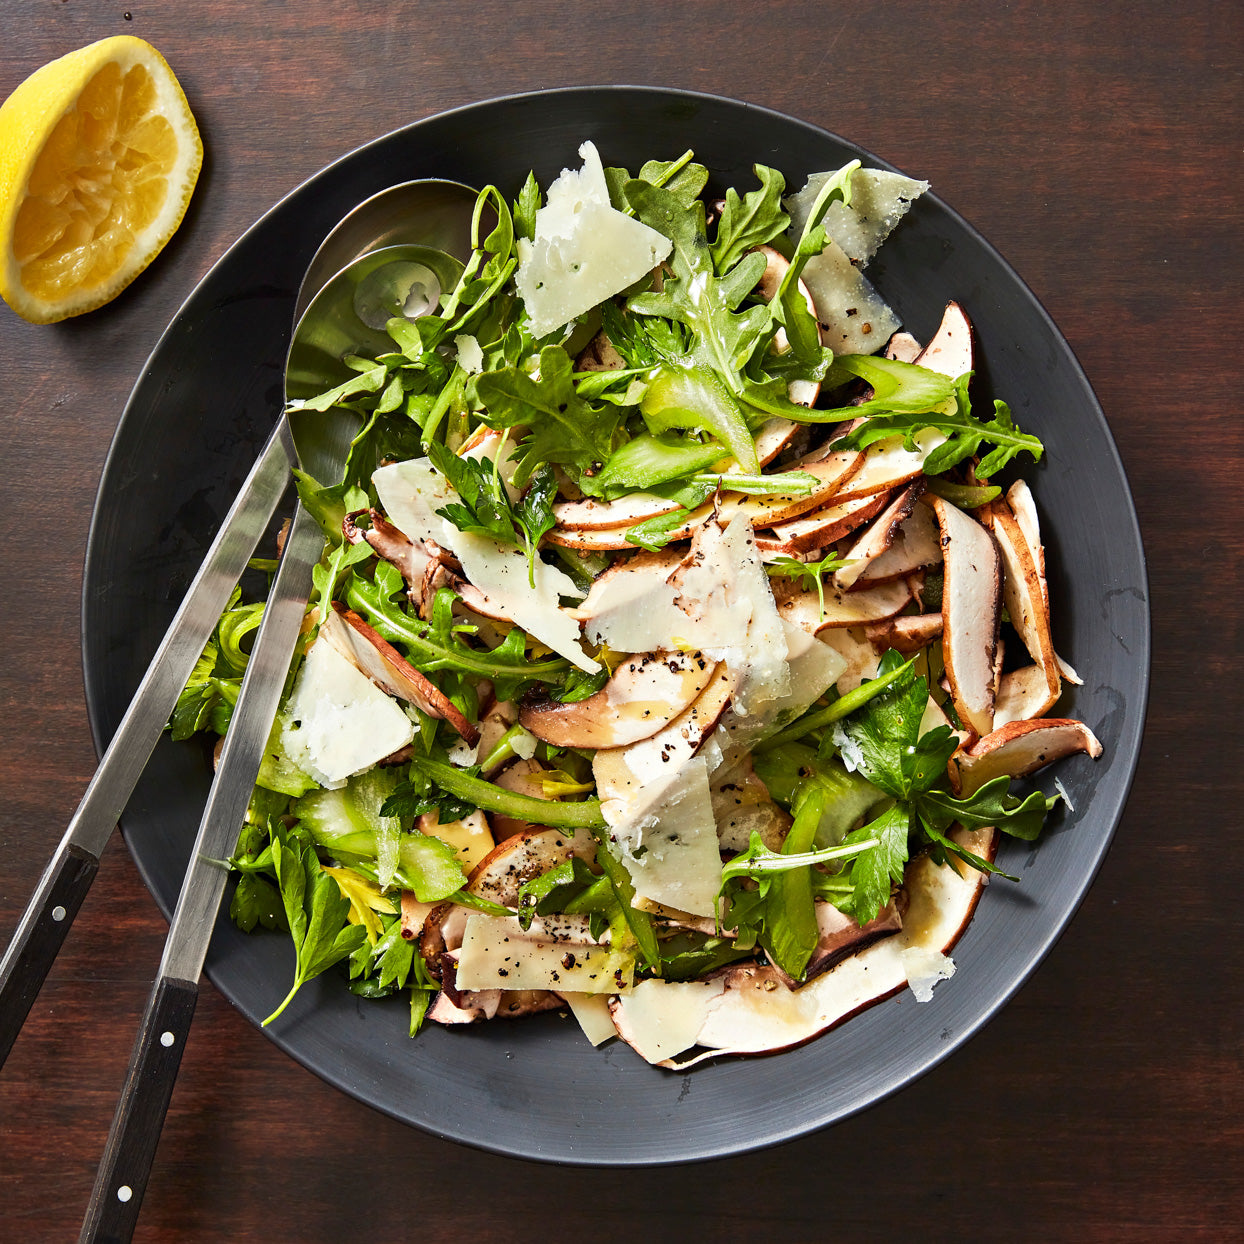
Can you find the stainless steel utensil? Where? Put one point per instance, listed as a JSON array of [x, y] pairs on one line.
[[336, 322], [434, 213]]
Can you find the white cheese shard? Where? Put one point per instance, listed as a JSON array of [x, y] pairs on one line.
[[497, 953], [924, 968], [730, 579], [667, 839], [663, 1018], [470, 354], [584, 251], [854, 318], [338, 722], [718, 601], [879, 200], [411, 493], [500, 572], [814, 668], [592, 1012]]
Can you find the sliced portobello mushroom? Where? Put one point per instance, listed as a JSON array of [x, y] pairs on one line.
[[1018, 749], [622, 772], [742, 806], [822, 527], [887, 465], [643, 696], [903, 347], [802, 607], [880, 535], [910, 633], [1019, 498], [592, 515], [971, 605], [841, 936], [749, 1009], [950, 349], [1023, 695], [363, 646], [917, 546]]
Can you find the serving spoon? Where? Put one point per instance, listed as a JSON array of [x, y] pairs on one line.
[[433, 213]]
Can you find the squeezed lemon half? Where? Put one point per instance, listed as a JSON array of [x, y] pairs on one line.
[[99, 154]]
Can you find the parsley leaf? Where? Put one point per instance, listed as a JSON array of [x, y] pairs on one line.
[[317, 913], [808, 572], [534, 513], [877, 870]]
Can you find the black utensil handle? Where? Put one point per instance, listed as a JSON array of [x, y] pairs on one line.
[[126, 1164], [40, 935]]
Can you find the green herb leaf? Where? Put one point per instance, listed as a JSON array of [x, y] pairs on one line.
[[751, 221]]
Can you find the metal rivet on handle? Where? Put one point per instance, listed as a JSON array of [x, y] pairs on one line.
[[166, 1039], [124, 1192], [58, 914]]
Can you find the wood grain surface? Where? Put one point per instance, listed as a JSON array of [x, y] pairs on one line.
[[1096, 143]]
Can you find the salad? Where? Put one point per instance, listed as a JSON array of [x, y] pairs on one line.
[[674, 649]]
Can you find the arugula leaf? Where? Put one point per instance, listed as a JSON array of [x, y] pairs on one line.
[[431, 648], [723, 341], [992, 805], [751, 221], [906, 402], [317, 913], [562, 427], [551, 891]]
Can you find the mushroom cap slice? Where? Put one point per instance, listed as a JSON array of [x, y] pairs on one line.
[[950, 348], [821, 527], [917, 545], [1018, 749], [802, 606], [971, 605], [511, 864], [592, 515], [841, 936], [1023, 694], [621, 772], [881, 534], [774, 436], [1021, 591], [742, 806], [749, 1009], [644, 695], [888, 465], [903, 347], [389, 670], [910, 633]]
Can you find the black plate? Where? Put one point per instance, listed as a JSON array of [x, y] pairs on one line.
[[205, 402]]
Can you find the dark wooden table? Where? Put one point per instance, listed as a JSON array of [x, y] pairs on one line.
[[1097, 144]]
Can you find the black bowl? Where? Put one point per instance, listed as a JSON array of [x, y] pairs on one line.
[[206, 401]]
